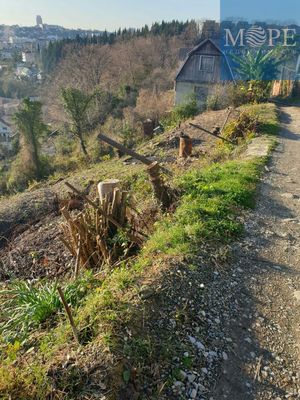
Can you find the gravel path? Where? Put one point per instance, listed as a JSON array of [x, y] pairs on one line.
[[263, 293]]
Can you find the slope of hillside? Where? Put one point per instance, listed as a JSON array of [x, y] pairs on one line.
[[147, 325]]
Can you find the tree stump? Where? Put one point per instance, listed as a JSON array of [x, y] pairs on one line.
[[106, 190], [161, 191], [186, 146], [148, 128]]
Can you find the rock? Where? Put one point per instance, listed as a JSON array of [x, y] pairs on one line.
[[289, 196], [191, 378], [297, 295], [192, 339], [212, 354], [225, 356], [178, 384], [146, 293], [183, 375], [200, 346], [201, 388], [193, 394]]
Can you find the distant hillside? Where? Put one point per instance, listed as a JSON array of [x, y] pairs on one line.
[[48, 31]]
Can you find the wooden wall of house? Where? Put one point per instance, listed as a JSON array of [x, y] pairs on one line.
[[191, 71]]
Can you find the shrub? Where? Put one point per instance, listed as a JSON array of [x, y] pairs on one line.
[[212, 102], [181, 113], [21, 174], [259, 91], [238, 94], [128, 136], [246, 124], [154, 105]]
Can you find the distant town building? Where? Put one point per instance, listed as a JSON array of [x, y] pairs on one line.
[[28, 57], [5, 134], [39, 21], [6, 55]]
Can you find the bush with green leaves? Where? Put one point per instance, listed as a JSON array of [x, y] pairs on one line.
[[25, 306], [181, 113]]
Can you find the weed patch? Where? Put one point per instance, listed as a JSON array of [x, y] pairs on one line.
[[209, 207]]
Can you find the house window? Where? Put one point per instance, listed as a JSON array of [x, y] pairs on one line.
[[207, 63]]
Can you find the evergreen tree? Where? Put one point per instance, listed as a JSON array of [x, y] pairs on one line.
[[76, 104], [31, 127]]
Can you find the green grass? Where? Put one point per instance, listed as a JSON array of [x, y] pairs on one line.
[[26, 306], [212, 200]]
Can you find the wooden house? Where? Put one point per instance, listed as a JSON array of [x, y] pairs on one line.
[[204, 67]]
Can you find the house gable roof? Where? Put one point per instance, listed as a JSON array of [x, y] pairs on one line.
[[196, 48]]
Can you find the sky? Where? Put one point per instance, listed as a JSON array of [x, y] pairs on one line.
[[105, 14], [262, 10]]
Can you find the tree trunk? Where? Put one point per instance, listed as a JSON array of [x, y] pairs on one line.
[[83, 147], [36, 160]]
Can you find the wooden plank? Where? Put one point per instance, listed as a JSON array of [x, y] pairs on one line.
[[230, 110], [69, 314], [210, 133], [130, 152], [124, 149]]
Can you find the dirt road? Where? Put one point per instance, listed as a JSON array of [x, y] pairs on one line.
[[264, 328]]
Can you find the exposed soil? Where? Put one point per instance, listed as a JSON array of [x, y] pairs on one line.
[[36, 253]]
